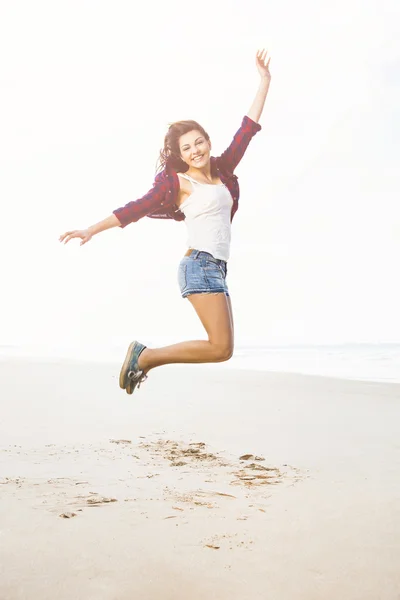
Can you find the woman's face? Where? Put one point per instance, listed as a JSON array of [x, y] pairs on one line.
[[195, 149]]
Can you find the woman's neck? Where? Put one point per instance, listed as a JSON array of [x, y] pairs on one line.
[[204, 172]]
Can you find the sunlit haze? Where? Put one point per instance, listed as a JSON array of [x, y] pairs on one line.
[[87, 90]]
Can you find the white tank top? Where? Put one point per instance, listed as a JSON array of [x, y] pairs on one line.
[[208, 218]]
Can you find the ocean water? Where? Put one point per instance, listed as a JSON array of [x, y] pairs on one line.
[[367, 362]]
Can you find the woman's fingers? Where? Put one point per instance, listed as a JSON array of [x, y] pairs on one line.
[[69, 236], [77, 233], [85, 239], [262, 55], [66, 237]]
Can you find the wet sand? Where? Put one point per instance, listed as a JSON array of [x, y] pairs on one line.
[[207, 483]]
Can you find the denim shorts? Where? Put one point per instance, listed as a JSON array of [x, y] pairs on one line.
[[201, 273]]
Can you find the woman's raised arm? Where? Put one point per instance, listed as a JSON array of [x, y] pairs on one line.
[[232, 156], [265, 77]]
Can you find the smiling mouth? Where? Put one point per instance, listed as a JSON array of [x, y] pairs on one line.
[[197, 158]]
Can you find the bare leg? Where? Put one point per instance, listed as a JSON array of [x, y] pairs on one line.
[[228, 299], [214, 311]]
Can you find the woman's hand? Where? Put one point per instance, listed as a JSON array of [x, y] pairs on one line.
[[263, 64], [258, 102], [84, 234]]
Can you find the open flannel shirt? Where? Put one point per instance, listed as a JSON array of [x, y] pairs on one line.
[[160, 201]]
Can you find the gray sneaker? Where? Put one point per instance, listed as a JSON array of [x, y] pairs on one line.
[[130, 375]]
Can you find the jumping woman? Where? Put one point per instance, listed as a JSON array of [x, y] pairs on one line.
[[202, 190]]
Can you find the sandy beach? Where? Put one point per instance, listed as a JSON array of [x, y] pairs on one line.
[[207, 483]]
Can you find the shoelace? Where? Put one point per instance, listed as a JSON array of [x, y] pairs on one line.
[[143, 378], [137, 376]]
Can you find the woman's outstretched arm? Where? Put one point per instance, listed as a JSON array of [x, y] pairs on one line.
[[162, 196], [86, 235], [258, 103]]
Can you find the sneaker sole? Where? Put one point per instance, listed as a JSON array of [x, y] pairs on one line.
[[123, 380]]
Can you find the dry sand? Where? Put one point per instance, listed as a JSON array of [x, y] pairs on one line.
[[205, 484]]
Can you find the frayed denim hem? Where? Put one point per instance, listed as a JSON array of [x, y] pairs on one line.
[[217, 291]]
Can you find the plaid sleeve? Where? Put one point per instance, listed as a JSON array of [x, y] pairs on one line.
[[232, 156], [135, 210]]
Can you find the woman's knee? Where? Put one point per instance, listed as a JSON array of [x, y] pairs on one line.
[[223, 352]]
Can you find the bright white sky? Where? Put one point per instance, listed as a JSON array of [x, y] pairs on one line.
[[87, 89]]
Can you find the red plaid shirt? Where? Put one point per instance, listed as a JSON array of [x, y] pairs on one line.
[[160, 201]]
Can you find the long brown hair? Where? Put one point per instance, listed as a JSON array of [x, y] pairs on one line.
[[170, 156]]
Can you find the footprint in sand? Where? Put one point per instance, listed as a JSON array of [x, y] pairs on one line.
[[96, 500]]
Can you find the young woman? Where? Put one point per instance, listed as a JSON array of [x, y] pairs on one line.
[[196, 187]]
